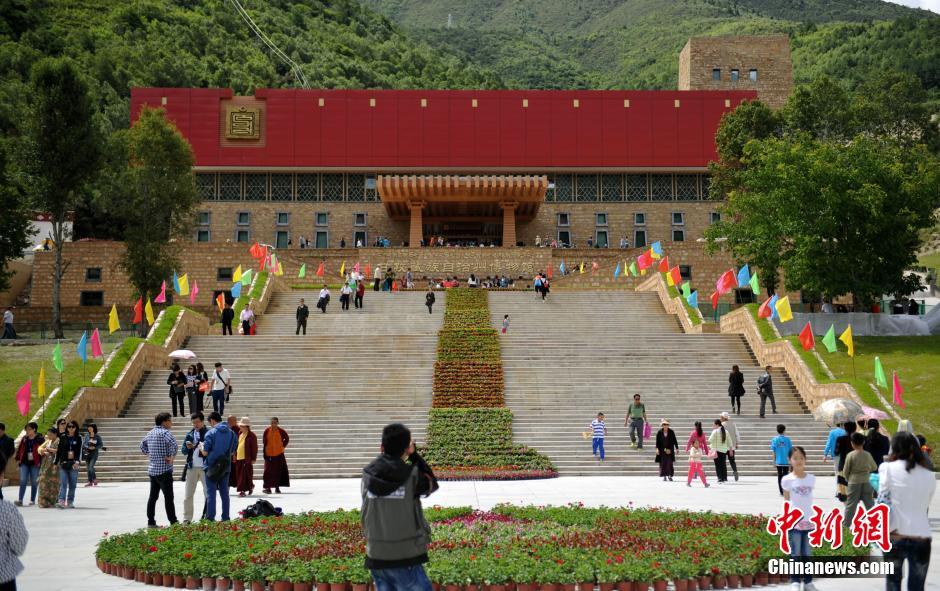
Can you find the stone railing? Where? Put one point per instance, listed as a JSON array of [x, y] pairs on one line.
[[672, 305], [782, 354]]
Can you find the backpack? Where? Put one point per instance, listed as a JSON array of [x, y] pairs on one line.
[[261, 508]]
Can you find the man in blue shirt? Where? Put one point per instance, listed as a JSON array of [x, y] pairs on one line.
[[781, 446], [160, 447], [218, 447], [835, 433]]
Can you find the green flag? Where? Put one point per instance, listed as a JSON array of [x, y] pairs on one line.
[[686, 289], [880, 378], [755, 284], [633, 270], [246, 277], [830, 339], [303, 270], [57, 358]]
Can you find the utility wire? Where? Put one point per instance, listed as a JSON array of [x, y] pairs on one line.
[[298, 72]]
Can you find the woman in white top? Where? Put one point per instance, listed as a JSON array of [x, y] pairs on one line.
[[798, 489], [907, 486], [248, 318]]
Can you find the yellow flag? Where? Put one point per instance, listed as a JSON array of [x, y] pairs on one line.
[[237, 275], [42, 382], [280, 269], [342, 270], [581, 269], [783, 309], [846, 337], [184, 285], [113, 323], [669, 280], [148, 310]]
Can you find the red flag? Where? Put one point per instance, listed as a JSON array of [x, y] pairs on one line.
[[262, 262], [644, 261], [139, 311], [96, 345], [394, 286], [764, 310], [320, 270], [368, 272], [726, 282], [806, 337], [715, 296], [549, 273], [676, 276], [256, 251], [898, 390], [220, 301], [664, 265], [22, 397], [356, 268]]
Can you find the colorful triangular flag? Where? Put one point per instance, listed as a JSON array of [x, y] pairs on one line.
[[57, 358], [236, 290], [783, 309], [184, 285], [692, 299], [755, 285], [633, 269], [726, 282], [715, 296], [176, 283], [898, 390], [744, 276], [237, 275], [139, 311], [846, 337], [656, 250], [220, 301], [342, 269], [880, 378], [81, 349], [664, 265], [247, 277], [617, 271], [22, 398], [41, 386], [320, 270], [829, 340], [686, 289], [113, 322], [676, 275], [561, 268], [193, 293], [96, 351], [549, 272], [806, 337], [161, 297], [148, 312]]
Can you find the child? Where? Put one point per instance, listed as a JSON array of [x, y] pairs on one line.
[[858, 468], [798, 489], [599, 431], [695, 464], [505, 323], [781, 446]]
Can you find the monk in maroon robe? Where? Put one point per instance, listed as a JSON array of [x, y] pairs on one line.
[[273, 443]]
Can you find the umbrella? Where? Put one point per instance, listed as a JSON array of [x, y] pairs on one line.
[[873, 413], [182, 354], [837, 410]]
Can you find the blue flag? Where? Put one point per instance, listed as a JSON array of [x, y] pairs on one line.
[[744, 276], [83, 347], [176, 284], [773, 307], [236, 289], [561, 268], [657, 248], [693, 299], [617, 271]]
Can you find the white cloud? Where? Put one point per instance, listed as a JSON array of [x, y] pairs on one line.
[[932, 5]]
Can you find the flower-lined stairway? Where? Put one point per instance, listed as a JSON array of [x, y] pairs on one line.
[[469, 428]]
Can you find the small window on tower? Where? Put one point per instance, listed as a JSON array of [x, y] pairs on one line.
[[752, 75], [716, 73], [735, 74]]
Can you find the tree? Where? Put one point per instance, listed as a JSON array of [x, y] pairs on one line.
[[156, 194], [58, 152], [895, 105], [14, 224], [822, 109]]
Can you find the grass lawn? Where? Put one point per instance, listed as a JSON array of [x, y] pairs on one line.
[[931, 261], [18, 364]]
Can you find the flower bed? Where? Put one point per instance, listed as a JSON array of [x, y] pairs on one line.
[[475, 344], [525, 545], [467, 383]]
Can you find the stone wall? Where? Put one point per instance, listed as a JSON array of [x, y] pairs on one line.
[[672, 305]]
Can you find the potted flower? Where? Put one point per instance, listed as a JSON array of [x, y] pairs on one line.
[[359, 577], [583, 572], [680, 570], [523, 569], [549, 575]]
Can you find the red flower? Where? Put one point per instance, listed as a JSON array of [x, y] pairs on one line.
[[715, 570], [188, 555], [153, 548], [473, 557], [559, 561]]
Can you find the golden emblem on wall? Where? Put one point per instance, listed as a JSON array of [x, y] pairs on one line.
[[243, 123]]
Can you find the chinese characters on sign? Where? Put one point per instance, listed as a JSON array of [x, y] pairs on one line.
[[867, 526], [243, 123]]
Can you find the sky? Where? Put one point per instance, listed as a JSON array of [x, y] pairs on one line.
[[933, 5]]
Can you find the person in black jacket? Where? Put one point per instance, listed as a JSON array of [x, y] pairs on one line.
[[735, 388], [666, 448], [228, 315], [7, 451], [876, 444], [194, 471], [843, 448], [429, 300], [177, 383], [302, 313], [67, 457]]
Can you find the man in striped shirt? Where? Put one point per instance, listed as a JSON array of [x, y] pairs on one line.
[[599, 430], [160, 447]]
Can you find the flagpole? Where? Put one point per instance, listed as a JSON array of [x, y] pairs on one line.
[[854, 376]]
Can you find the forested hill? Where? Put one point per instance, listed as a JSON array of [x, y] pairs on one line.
[[635, 43]]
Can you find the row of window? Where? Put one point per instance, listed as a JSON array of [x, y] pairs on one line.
[[601, 234], [601, 238], [282, 238], [735, 74], [234, 186], [639, 219]]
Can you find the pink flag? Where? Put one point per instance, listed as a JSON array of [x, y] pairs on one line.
[[193, 293], [726, 282], [22, 397], [161, 299], [96, 345], [356, 268], [898, 390]]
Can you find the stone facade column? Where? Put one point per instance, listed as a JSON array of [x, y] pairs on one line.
[[416, 231], [509, 223]]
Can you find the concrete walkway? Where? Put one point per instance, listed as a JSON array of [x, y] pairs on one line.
[[60, 554]]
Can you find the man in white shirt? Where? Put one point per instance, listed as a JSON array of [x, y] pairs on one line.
[[8, 332], [221, 388], [732, 428], [323, 300]]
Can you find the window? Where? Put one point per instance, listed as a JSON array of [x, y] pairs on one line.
[[564, 238], [282, 187], [587, 187], [687, 187], [612, 187], [91, 298], [752, 74], [716, 73], [256, 187], [686, 272], [332, 187], [600, 219], [205, 186], [281, 239], [308, 187], [322, 218], [600, 239], [735, 74], [639, 238], [224, 274], [204, 217], [564, 219], [355, 187], [637, 189], [283, 218], [639, 219], [202, 236], [322, 240], [564, 187], [243, 218], [714, 217], [93, 274], [678, 218], [242, 236], [678, 235], [662, 187], [360, 237], [230, 186], [359, 219]]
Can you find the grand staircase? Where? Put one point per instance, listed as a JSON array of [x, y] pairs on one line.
[[333, 389], [582, 352]]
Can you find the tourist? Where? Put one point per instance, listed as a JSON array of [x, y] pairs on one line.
[[194, 382], [302, 242], [842, 450], [720, 442], [247, 318], [798, 490], [695, 462], [245, 455], [160, 447], [858, 468], [345, 293], [765, 388], [545, 287], [228, 315], [194, 472], [732, 428], [429, 299], [342, 242], [92, 445], [538, 241], [698, 434], [221, 388], [735, 388], [323, 300], [360, 291], [922, 440], [910, 486], [7, 451], [389, 279], [28, 460], [781, 446], [13, 538], [8, 331], [273, 442], [666, 447], [202, 385], [48, 471], [636, 418], [177, 383], [359, 243], [834, 433], [68, 456], [598, 432], [302, 313], [409, 279], [537, 284], [377, 277], [876, 444], [217, 450], [397, 534]]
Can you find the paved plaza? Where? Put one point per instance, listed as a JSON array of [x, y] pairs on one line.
[[60, 554]]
